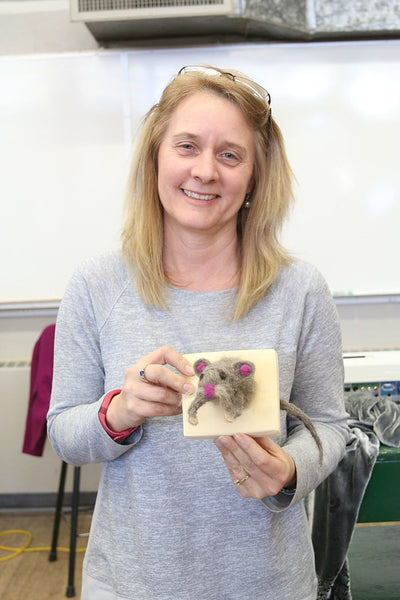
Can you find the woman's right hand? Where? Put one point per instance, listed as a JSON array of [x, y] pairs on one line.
[[159, 394]]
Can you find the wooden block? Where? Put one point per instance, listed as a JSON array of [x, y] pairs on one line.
[[260, 418]]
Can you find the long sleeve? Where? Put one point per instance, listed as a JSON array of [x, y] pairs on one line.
[[318, 390], [79, 380]]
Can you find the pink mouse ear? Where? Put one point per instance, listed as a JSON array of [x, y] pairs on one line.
[[245, 369], [200, 365]]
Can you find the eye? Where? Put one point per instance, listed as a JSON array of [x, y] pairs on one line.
[[222, 375], [185, 148], [229, 158], [201, 376]]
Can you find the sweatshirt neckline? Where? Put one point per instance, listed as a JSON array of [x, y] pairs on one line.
[[183, 291]]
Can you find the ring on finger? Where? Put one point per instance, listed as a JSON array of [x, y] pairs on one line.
[[142, 374], [242, 480]]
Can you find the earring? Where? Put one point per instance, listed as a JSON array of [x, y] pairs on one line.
[[247, 203]]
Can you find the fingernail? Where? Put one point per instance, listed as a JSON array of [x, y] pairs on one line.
[[189, 370], [188, 388], [240, 439], [221, 440]]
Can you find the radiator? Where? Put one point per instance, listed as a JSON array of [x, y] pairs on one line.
[[22, 473]]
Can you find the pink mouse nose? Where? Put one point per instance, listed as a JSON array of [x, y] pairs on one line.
[[209, 390]]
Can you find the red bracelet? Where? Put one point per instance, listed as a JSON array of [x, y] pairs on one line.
[[117, 436]]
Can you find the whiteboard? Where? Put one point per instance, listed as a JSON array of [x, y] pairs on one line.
[[68, 121]]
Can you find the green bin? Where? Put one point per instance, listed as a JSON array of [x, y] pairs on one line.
[[381, 502]]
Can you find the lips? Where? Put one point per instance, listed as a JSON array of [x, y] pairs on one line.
[[197, 196]]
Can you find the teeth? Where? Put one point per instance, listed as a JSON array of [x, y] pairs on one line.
[[199, 196]]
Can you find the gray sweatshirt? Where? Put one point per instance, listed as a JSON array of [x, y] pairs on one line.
[[169, 524]]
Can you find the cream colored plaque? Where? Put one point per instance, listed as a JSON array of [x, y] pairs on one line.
[[262, 415]]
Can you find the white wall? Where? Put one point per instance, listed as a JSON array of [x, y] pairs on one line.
[[26, 474], [40, 26], [33, 27], [68, 120]]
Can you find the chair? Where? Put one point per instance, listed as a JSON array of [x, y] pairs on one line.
[[35, 437], [70, 592]]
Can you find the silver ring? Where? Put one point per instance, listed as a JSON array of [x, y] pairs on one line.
[[142, 374], [240, 481]]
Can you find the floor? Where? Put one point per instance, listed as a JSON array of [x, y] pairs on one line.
[[30, 575], [374, 558]]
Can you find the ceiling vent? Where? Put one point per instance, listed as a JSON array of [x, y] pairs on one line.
[[133, 20], [114, 20], [93, 10]]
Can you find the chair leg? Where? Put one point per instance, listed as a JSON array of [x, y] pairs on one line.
[[57, 516], [74, 533]]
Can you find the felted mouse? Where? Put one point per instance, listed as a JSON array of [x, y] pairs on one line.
[[230, 383]]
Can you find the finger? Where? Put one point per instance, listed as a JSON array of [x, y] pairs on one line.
[[262, 453], [246, 483], [252, 488], [166, 355], [242, 450], [152, 370], [144, 408], [164, 377], [228, 448], [136, 389], [274, 463], [242, 454], [141, 401], [269, 445]]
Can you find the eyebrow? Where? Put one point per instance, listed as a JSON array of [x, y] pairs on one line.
[[193, 136]]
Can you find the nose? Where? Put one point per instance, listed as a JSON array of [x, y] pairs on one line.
[[205, 167], [209, 390]]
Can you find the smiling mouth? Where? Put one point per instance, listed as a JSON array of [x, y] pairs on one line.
[[196, 196]]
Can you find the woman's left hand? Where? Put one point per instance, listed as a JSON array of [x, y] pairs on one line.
[[258, 466]]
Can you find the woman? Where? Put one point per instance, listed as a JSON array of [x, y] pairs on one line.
[[201, 270]]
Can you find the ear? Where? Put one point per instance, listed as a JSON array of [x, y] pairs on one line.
[[244, 367], [251, 186], [200, 365]]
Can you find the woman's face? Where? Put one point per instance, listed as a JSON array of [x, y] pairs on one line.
[[205, 165]]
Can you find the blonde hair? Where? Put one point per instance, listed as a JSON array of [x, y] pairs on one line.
[[262, 255]]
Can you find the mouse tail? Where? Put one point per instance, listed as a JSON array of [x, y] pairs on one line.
[[295, 412]]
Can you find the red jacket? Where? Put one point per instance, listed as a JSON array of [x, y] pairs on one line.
[[40, 391]]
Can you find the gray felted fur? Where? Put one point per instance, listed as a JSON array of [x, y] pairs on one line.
[[228, 382]]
